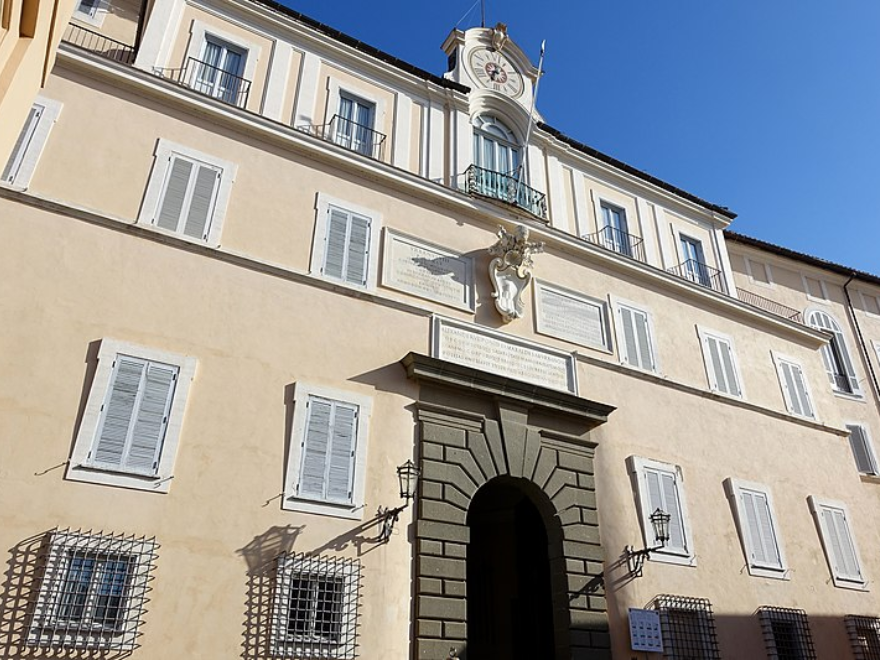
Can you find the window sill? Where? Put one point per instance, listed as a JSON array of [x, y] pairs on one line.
[[679, 560], [95, 475], [869, 478], [849, 395], [347, 511], [852, 586], [770, 573]]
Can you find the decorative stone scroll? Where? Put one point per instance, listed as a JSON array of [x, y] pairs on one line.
[[503, 354], [428, 271], [511, 270]]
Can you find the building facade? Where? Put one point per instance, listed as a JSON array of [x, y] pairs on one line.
[[252, 266]]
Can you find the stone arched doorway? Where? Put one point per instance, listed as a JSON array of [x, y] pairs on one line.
[[476, 428], [510, 600]]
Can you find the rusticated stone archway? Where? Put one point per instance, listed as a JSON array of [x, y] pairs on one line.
[[473, 428]]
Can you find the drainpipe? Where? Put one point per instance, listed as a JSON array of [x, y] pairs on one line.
[[861, 339]]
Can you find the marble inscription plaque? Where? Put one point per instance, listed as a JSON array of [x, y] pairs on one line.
[[503, 354], [566, 315], [428, 271]]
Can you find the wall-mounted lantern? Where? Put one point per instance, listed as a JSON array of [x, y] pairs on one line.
[[407, 477], [635, 559]]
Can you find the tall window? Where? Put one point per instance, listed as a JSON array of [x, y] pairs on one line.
[[794, 387], [720, 362], [354, 125], [635, 341], [659, 486], [495, 147], [693, 260], [615, 232], [835, 355], [835, 528], [758, 528], [219, 72]]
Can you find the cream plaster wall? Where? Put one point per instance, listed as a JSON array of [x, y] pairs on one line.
[[293, 82], [119, 21]]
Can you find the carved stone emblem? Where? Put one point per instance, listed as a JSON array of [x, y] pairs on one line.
[[511, 270], [499, 36]]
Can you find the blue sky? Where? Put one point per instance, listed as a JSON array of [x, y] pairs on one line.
[[771, 108]]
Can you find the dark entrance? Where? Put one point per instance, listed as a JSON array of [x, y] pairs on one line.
[[509, 605]]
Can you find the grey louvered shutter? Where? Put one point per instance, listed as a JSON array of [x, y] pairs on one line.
[[663, 494], [861, 449], [643, 333], [800, 388], [721, 365], [171, 207], [795, 388], [764, 548], [148, 432], [631, 355], [315, 447], [842, 548], [835, 356], [335, 243], [118, 413], [726, 351], [358, 250], [22, 143], [342, 452], [201, 206]]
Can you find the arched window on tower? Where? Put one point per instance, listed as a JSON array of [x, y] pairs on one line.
[[835, 355], [495, 146]]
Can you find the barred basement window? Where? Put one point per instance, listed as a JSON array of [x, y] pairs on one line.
[[315, 610], [864, 636], [688, 627], [786, 634], [93, 591]]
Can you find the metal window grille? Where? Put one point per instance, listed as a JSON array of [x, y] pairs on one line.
[[688, 627], [786, 633], [864, 636], [93, 590], [316, 606]]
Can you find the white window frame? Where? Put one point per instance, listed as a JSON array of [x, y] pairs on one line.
[[637, 466], [251, 50], [79, 468], [97, 18], [752, 266], [337, 89], [869, 448], [617, 304], [845, 582], [322, 212], [162, 155], [289, 565], [542, 328], [846, 356], [822, 286], [291, 501], [778, 359], [25, 159], [734, 489], [704, 335]]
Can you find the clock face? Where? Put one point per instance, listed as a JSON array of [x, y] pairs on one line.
[[494, 71]]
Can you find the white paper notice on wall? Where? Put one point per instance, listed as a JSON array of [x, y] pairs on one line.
[[644, 630]]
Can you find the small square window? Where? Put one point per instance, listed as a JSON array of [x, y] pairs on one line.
[[688, 627], [316, 607], [759, 272], [92, 591], [815, 288], [786, 634], [864, 636]]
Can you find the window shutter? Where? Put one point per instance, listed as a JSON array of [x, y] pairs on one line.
[[636, 338], [202, 202], [663, 494], [119, 409], [342, 451], [313, 475], [645, 358], [629, 337], [726, 351], [801, 390], [358, 250], [335, 243], [835, 356], [22, 143], [722, 371], [152, 418], [795, 388], [171, 208], [719, 382], [843, 551], [756, 510], [858, 441]]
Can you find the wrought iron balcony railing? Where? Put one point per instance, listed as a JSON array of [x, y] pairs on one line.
[[211, 81], [97, 43], [619, 241], [506, 188], [768, 305], [700, 273], [350, 135]]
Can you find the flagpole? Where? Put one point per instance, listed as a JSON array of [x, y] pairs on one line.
[[524, 166]]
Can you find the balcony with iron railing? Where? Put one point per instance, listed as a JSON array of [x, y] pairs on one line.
[[618, 241], [211, 81], [507, 188], [768, 305], [95, 42], [700, 273], [349, 134]]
